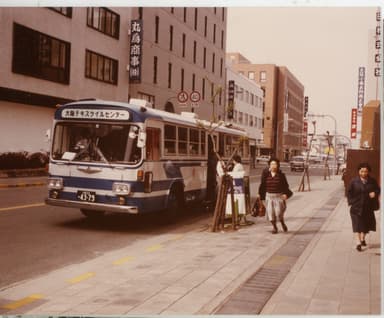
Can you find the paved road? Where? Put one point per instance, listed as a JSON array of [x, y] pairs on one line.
[[37, 238]]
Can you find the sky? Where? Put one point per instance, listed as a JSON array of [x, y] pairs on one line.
[[322, 46]]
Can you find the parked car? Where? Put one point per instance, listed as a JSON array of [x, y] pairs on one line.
[[297, 163], [263, 158]]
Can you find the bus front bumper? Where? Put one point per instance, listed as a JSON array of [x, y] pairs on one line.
[[93, 206]]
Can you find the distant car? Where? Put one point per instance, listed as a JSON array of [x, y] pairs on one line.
[[314, 159], [297, 163], [263, 158]]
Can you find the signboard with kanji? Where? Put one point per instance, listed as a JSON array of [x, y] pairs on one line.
[[96, 114], [354, 123], [135, 50]]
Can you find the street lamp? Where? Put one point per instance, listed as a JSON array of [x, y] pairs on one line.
[[277, 134]]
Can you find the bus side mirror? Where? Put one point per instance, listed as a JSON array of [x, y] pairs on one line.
[[142, 137]]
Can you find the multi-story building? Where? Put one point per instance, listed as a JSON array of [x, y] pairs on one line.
[[283, 108], [247, 107], [54, 55], [183, 51]]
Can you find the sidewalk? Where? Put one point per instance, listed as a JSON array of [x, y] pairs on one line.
[[199, 272]]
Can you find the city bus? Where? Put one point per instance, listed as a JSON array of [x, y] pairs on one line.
[[131, 158]]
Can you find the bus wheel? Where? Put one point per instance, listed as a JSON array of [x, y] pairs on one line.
[[175, 202], [92, 213]]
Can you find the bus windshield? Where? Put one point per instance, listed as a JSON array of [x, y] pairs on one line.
[[95, 142]]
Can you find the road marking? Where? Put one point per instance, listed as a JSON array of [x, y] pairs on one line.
[[21, 206], [80, 278], [177, 237], [23, 302], [154, 248], [123, 260]]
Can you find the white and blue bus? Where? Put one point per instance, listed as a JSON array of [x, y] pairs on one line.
[[131, 158]]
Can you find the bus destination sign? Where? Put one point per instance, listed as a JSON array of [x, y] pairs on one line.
[[97, 114]]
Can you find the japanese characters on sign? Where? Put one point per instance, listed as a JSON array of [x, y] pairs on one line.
[[231, 98], [103, 114], [360, 90], [354, 123], [135, 50]]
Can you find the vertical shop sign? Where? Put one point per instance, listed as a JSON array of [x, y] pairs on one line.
[[135, 50], [360, 90], [354, 123]]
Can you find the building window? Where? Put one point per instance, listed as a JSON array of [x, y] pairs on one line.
[[157, 21], [185, 14], [263, 76], [195, 19], [215, 10], [205, 25], [223, 14], [214, 33], [169, 75], [222, 39], [100, 67], [182, 79], [220, 96], [221, 67], [147, 97], [172, 10], [213, 62], [171, 38], [205, 58], [183, 47], [240, 118], [251, 75], [155, 69], [104, 20], [140, 13], [40, 55], [193, 81], [66, 11], [212, 90], [194, 51], [203, 89]]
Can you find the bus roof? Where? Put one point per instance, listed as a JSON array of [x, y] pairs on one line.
[[137, 113]]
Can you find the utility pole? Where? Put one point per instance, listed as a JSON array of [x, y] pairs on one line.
[[326, 166], [306, 163]]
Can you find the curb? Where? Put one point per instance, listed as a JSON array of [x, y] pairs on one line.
[[21, 185]]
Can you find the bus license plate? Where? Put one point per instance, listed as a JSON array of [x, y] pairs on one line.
[[88, 196]]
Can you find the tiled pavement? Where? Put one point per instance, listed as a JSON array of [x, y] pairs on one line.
[[316, 270]]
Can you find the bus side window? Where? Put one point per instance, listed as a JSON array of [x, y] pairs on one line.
[[152, 146]]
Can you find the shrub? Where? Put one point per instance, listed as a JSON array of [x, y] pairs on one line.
[[22, 160]]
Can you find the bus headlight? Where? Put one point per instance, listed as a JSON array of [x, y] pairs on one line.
[[121, 188], [55, 183]]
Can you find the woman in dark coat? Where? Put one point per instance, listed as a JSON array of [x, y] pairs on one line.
[[363, 192], [274, 189]]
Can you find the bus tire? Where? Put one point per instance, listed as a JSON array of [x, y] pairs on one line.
[[92, 213], [175, 201]]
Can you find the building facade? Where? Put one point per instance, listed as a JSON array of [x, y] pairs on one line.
[[247, 108], [183, 51], [283, 108], [52, 56]]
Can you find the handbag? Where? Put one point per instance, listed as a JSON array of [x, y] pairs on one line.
[[258, 208]]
